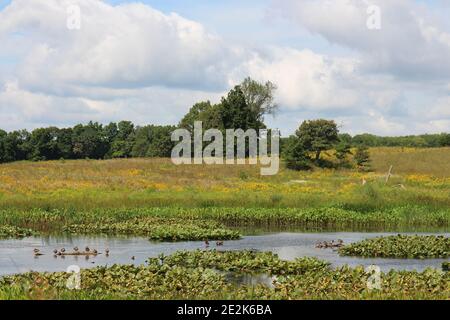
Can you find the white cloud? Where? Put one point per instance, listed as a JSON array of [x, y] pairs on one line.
[[133, 62], [440, 110], [125, 46], [411, 42], [305, 80], [20, 108]]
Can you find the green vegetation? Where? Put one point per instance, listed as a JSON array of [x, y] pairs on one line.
[[241, 262], [315, 137], [158, 221], [198, 275], [419, 141], [446, 266], [362, 158], [244, 107], [14, 232], [318, 136], [159, 229], [400, 246], [315, 189]]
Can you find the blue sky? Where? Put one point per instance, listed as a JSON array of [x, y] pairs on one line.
[[148, 61]]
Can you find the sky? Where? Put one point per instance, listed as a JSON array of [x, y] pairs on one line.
[[149, 61]]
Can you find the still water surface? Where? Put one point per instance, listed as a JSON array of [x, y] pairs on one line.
[[16, 256]]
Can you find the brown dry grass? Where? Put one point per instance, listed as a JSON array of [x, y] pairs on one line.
[[435, 161]]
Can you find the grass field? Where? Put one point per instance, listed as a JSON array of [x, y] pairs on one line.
[[421, 177]]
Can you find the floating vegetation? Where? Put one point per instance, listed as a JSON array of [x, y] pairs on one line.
[[246, 261], [15, 232], [351, 283], [197, 275], [160, 229], [446, 266], [400, 246]]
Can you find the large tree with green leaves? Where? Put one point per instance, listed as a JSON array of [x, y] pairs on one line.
[[45, 144], [123, 141], [153, 141], [259, 97], [295, 154], [236, 113], [88, 141], [205, 112], [318, 135]]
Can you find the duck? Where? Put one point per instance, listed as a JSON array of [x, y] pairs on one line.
[[206, 243], [75, 249], [107, 251], [95, 252], [37, 252], [219, 243], [133, 258], [55, 251], [87, 249], [63, 250]]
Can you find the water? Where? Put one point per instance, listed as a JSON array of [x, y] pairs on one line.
[[16, 256]]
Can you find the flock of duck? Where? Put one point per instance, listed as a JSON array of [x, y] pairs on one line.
[[76, 252], [218, 243], [330, 245], [88, 252]]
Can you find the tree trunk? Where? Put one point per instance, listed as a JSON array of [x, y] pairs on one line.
[[318, 155]]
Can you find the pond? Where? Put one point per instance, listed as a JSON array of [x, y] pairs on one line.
[[16, 256]]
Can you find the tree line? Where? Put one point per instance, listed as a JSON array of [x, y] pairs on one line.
[[93, 140], [244, 107], [414, 141]]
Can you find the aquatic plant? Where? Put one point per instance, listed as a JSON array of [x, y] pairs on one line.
[[400, 246], [15, 232], [160, 229], [329, 217], [446, 266], [246, 261], [351, 283], [194, 275]]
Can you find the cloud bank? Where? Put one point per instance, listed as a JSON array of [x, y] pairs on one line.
[[131, 61]]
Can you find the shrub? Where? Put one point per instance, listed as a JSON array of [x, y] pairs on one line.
[[362, 158]]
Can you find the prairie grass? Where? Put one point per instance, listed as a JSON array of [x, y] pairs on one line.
[[421, 177], [51, 195], [412, 161]]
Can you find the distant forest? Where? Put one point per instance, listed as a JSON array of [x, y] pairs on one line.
[[124, 140], [244, 107]]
